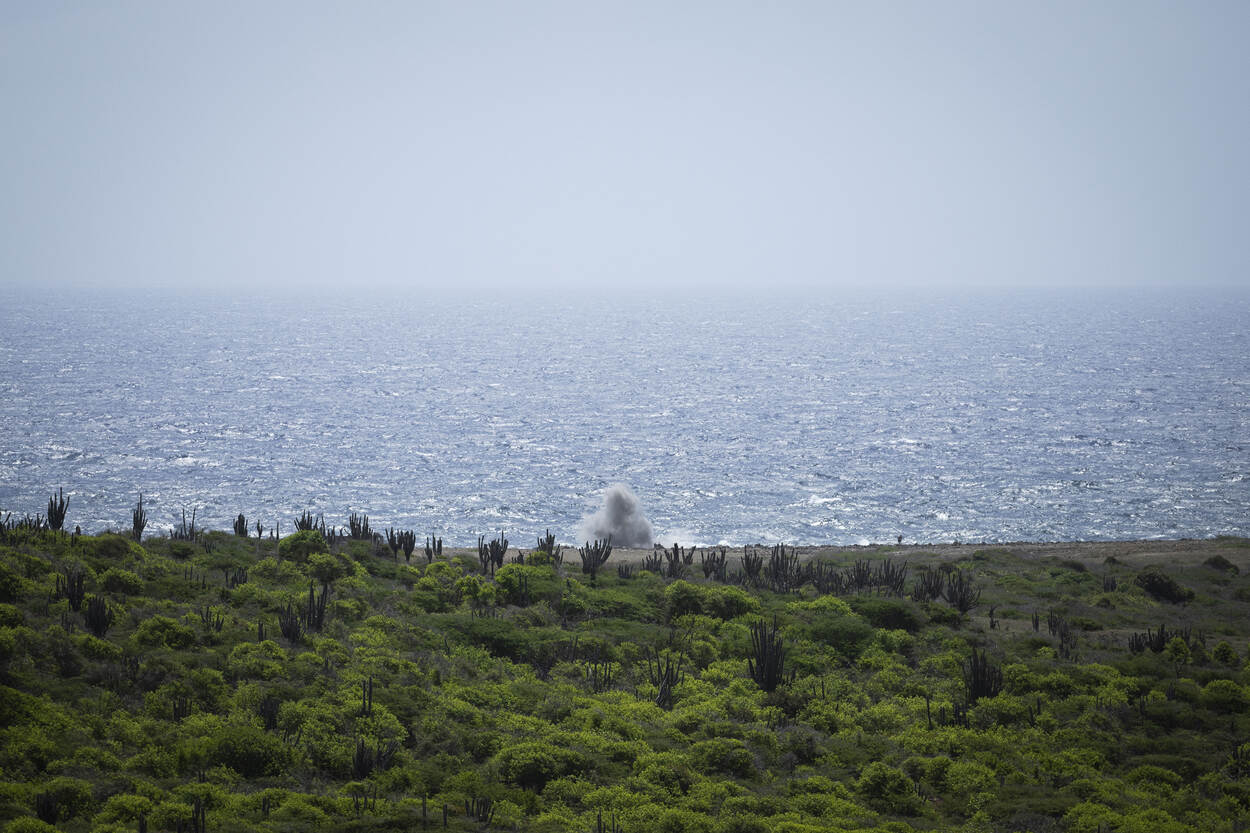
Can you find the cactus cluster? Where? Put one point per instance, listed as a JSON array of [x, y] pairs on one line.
[[595, 556]]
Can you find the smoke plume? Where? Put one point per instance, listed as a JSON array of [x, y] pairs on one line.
[[621, 517]]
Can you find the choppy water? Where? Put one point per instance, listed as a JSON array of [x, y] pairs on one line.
[[992, 417]]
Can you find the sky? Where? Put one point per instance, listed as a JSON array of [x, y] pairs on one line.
[[596, 146]]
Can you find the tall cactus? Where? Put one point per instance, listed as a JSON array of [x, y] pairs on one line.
[[981, 677], [768, 656], [98, 616], [595, 555], [57, 507], [138, 520]]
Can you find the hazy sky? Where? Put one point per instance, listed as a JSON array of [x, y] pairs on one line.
[[594, 144]]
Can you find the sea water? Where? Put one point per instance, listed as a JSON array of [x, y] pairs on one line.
[[971, 416]]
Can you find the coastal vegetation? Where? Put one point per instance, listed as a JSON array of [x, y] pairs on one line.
[[221, 681]]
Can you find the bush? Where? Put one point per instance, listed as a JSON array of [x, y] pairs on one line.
[[302, 544], [727, 756], [891, 614], [1224, 696], [848, 635], [531, 765], [327, 568], [29, 824], [1225, 654], [10, 584], [681, 598], [888, 790], [1162, 586], [117, 580], [250, 751], [1219, 562], [728, 602], [114, 549], [161, 631]]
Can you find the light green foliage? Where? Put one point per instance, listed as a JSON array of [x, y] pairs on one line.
[[322, 566], [888, 790], [299, 547], [29, 824], [117, 580], [1225, 654], [163, 632]]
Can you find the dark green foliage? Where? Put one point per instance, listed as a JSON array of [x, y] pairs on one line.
[[10, 583], [848, 635], [1219, 562], [251, 752], [1162, 586], [895, 614], [240, 526], [370, 757]]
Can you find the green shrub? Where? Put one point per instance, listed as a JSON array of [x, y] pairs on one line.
[[113, 549], [322, 566], [727, 756], [163, 632], [725, 602], [117, 580], [250, 751], [888, 790], [1219, 562], [1162, 586], [10, 584], [95, 648], [891, 614], [1224, 696], [29, 824], [1225, 654], [680, 599], [124, 807], [301, 545], [848, 635], [529, 766], [73, 796]]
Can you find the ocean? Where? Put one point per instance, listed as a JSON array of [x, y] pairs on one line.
[[974, 416]]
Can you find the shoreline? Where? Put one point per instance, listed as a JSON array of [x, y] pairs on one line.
[[1089, 553]]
